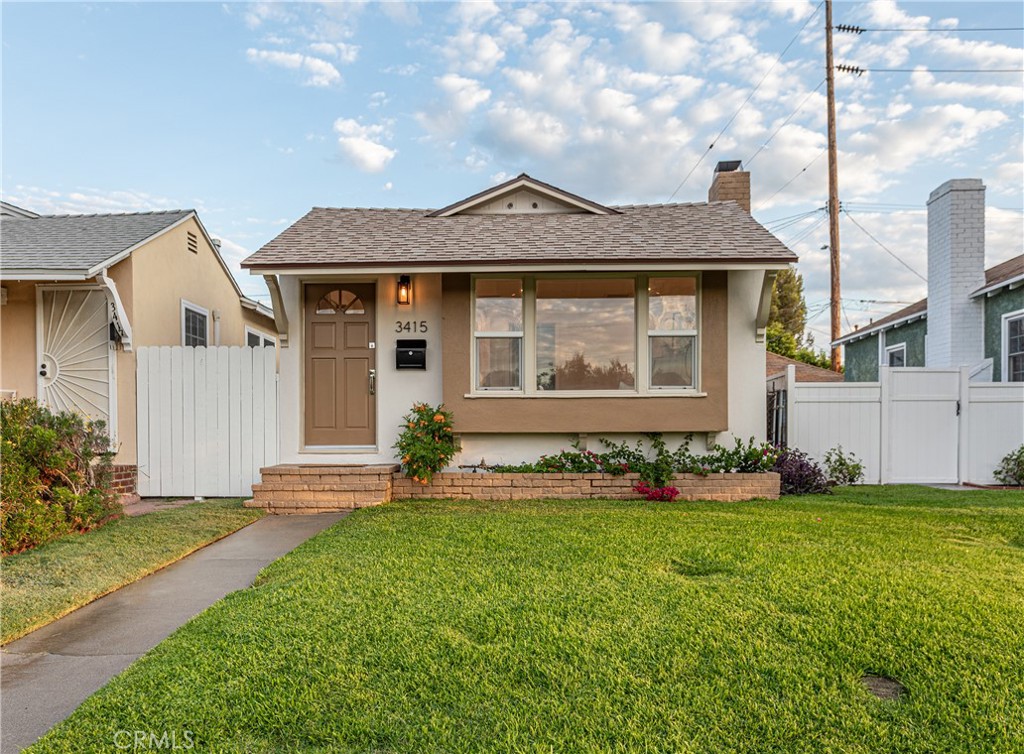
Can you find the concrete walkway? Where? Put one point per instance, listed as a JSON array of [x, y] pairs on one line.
[[47, 674]]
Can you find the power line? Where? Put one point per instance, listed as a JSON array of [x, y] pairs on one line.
[[786, 184], [805, 232], [785, 122], [886, 248], [749, 97], [851, 29], [844, 68]]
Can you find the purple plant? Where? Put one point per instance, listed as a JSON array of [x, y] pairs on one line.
[[800, 475]]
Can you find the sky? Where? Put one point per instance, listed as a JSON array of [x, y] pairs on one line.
[[252, 113]]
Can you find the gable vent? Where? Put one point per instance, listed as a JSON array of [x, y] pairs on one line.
[[193, 242]]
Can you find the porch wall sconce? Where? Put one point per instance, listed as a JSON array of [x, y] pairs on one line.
[[404, 290]]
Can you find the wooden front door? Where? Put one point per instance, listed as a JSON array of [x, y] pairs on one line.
[[341, 406]]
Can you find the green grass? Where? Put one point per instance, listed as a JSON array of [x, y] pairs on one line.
[[41, 585], [598, 626]]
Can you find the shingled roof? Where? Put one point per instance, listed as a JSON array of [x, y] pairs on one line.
[[658, 233], [76, 244]]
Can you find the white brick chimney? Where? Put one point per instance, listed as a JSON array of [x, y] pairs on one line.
[[956, 268]]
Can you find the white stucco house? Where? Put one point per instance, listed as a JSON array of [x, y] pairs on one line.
[[539, 317]]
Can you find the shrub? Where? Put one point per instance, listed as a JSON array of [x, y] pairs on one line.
[[427, 443], [656, 465], [55, 476], [842, 468], [656, 494], [1011, 469], [799, 474]]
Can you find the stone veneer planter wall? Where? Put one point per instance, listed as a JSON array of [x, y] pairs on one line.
[[459, 485], [317, 489]]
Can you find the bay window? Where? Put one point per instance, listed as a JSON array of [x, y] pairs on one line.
[[578, 334]]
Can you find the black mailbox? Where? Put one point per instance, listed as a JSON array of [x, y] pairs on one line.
[[411, 354]]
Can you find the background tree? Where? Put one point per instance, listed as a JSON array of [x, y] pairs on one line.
[[787, 322], [789, 310]]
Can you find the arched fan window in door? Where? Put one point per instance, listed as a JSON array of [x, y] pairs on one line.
[[340, 300]]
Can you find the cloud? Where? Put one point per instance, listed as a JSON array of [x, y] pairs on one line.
[[88, 200], [363, 145], [346, 53], [319, 72], [925, 84]]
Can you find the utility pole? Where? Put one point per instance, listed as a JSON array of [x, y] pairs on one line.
[[833, 188]]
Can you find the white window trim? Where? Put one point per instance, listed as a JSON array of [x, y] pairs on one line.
[[528, 348], [188, 305], [894, 349], [1004, 343], [263, 336]]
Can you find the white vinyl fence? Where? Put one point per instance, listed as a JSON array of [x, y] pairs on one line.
[[915, 425], [207, 419]]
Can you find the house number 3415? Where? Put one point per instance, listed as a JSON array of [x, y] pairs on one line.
[[411, 325]]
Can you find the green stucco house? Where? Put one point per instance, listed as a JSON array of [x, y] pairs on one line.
[[972, 317]]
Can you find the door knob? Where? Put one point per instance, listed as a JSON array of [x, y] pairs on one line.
[[373, 382]]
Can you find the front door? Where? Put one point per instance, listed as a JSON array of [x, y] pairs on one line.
[[341, 406], [75, 363]]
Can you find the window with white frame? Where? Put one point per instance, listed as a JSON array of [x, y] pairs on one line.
[[546, 334], [896, 356], [255, 339], [672, 331], [194, 325], [498, 334], [1013, 347]]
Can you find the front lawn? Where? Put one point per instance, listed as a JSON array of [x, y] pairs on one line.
[[607, 626], [41, 585]]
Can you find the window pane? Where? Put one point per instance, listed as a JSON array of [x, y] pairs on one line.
[[1015, 339], [586, 335], [898, 358], [672, 360], [499, 362], [1016, 368], [195, 328], [672, 304], [340, 300], [252, 339], [499, 305], [268, 343]]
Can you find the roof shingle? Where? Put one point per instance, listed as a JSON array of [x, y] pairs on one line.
[[76, 243], [713, 232]]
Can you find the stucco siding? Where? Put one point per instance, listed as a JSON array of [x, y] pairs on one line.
[[861, 359], [18, 339], [996, 306], [746, 359], [167, 272]]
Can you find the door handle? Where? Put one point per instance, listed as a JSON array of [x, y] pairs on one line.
[[373, 382]]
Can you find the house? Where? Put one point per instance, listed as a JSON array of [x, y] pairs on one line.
[[972, 316], [775, 369], [81, 292], [538, 316]]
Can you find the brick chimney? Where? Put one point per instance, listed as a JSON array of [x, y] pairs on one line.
[[731, 183], [956, 268]]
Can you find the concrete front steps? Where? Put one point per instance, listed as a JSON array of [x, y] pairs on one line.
[[298, 488]]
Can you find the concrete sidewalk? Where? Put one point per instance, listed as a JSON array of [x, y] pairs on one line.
[[47, 674]]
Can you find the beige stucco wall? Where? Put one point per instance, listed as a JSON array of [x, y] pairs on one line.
[[151, 283], [166, 272], [18, 339]]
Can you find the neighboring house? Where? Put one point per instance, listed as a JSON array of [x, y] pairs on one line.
[[775, 370], [972, 317], [80, 292], [537, 316]]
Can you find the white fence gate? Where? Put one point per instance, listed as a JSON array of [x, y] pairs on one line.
[[206, 421], [915, 425]]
